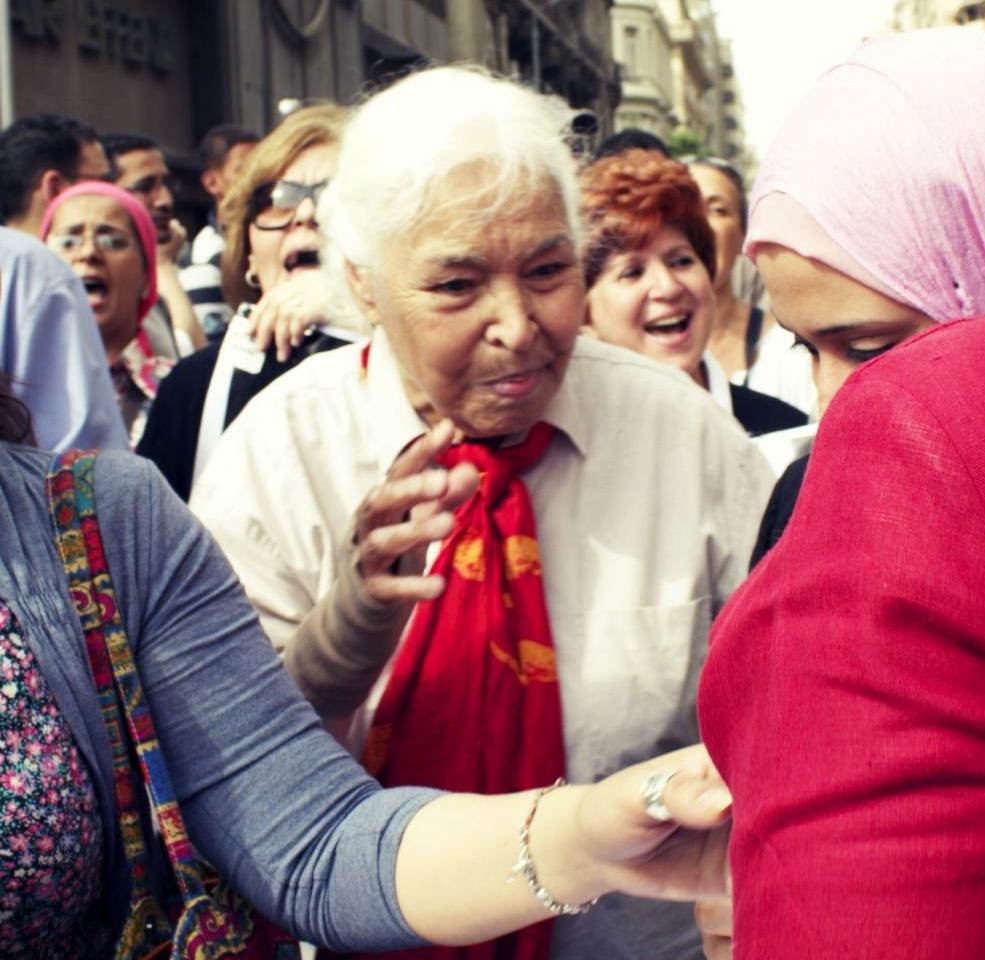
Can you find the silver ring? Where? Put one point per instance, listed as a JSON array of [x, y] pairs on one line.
[[653, 793]]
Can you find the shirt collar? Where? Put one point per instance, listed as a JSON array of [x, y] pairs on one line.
[[397, 424]]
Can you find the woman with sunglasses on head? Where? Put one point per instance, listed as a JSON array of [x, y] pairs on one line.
[[270, 268], [107, 238], [745, 341]]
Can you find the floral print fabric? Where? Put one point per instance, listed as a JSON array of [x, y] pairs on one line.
[[50, 831]]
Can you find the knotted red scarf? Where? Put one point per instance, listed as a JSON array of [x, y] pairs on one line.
[[473, 702]]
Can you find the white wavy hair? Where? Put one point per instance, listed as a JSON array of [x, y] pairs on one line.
[[399, 148]]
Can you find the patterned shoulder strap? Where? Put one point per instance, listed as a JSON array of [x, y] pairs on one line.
[[213, 925], [73, 510]]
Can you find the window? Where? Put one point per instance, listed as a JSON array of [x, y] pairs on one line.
[[630, 44]]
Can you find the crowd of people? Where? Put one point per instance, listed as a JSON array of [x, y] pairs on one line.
[[431, 474]]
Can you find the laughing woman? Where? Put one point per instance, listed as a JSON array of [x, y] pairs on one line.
[[107, 238], [269, 268], [650, 261]]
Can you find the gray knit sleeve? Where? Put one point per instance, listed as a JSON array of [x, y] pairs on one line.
[[281, 810]]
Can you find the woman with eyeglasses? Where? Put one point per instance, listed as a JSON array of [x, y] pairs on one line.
[[107, 238], [270, 268], [746, 341]]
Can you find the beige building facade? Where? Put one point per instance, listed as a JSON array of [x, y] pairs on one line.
[[677, 73]]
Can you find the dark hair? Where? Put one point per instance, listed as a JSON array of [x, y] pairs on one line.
[[632, 138], [30, 146], [726, 168], [217, 142], [15, 418], [628, 197], [116, 144]]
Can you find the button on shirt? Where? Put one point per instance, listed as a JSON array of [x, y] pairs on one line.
[[647, 505]]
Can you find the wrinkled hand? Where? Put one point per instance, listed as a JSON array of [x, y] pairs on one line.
[[168, 251], [714, 918], [684, 859], [411, 508], [285, 312]]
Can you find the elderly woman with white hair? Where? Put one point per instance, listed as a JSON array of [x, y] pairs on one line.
[[541, 526]]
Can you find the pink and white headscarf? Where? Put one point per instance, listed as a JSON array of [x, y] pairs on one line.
[[880, 172]]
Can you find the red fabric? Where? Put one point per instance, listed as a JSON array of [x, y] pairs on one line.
[[473, 702], [844, 695]]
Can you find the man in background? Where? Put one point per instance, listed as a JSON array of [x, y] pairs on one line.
[[40, 156], [137, 165], [223, 150]]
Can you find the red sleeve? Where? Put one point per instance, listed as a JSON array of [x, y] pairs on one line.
[[844, 695]]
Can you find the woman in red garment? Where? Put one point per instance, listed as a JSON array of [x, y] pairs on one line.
[[843, 695]]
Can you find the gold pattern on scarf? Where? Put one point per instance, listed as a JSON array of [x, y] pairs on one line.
[[521, 556], [469, 561], [536, 663]]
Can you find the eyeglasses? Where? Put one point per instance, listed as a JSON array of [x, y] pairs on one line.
[[108, 241], [274, 205], [148, 186]]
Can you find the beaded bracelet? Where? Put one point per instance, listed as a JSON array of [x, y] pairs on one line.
[[525, 864]]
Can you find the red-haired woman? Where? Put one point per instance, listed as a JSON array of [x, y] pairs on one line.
[[649, 264]]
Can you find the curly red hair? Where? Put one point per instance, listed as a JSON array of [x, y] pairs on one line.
[[628, 197]]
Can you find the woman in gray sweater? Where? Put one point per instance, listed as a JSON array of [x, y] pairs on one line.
[[283, 812]]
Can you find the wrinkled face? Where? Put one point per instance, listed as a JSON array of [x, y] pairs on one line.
[[838, 320], [657, 300], [723, 209], [94, 235], [482, 312], [275, 255], [145, 174]]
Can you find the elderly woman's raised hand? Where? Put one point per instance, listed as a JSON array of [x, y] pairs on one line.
[[412, 508]]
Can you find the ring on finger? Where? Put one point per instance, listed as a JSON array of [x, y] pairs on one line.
[[653, 793]]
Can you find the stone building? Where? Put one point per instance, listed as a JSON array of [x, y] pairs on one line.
[[677, 73], [173, 68]]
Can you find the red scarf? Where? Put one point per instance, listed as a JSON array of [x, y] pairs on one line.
[[473, 702]]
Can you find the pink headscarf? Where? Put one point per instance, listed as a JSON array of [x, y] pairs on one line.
[[880, 172], [140, 218]]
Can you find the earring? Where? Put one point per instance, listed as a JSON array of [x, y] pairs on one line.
[[252, 279]]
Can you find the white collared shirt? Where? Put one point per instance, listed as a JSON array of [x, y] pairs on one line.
[[647, 505]]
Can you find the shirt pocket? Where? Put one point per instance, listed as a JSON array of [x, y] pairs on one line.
[[635, 690]]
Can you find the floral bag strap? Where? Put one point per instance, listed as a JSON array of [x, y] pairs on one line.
[[71, 499]]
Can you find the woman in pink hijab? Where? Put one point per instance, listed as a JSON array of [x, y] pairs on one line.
[[844, 695], [107, 238]]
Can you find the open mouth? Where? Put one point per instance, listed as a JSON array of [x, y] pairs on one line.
[[669, 326], [301, 260], [94, 287]]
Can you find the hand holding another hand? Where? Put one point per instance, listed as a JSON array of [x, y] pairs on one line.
[[683, 858]]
